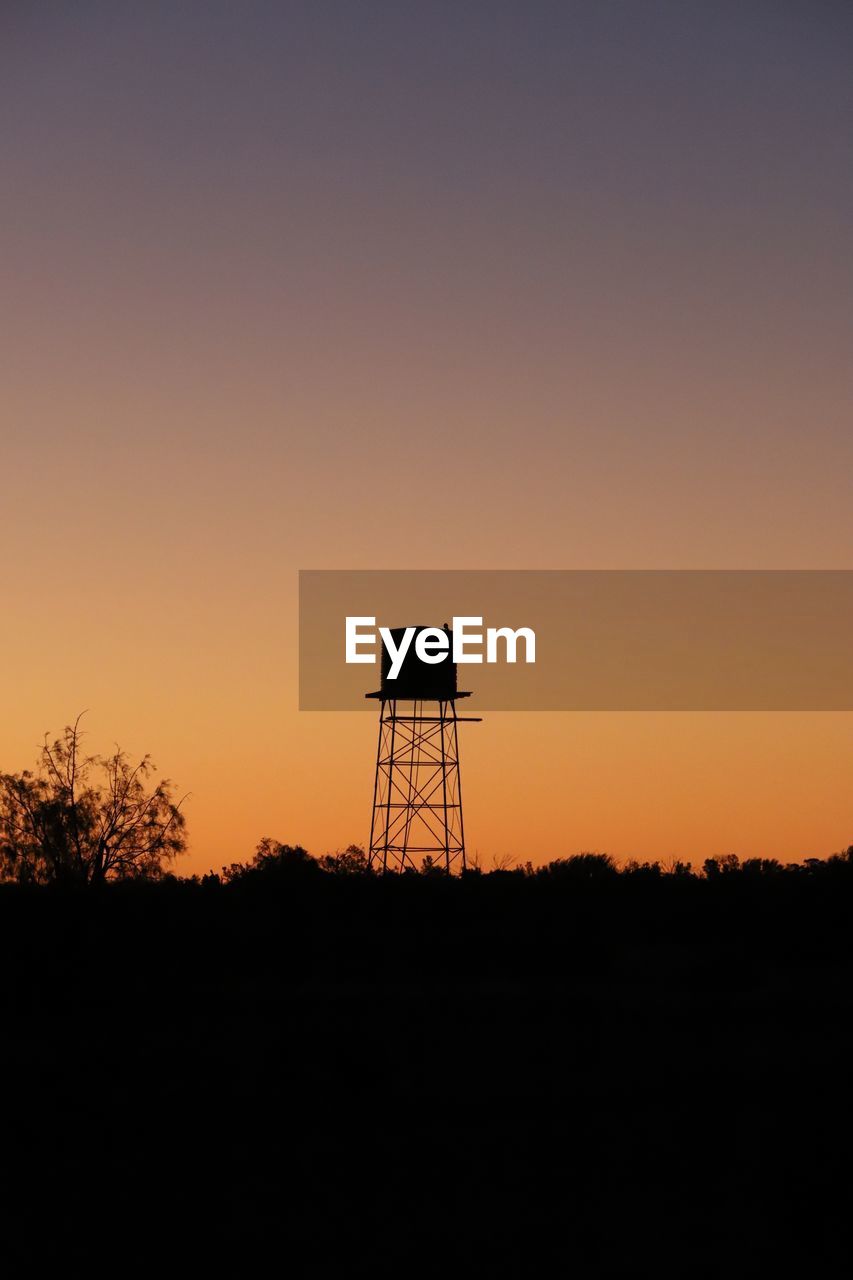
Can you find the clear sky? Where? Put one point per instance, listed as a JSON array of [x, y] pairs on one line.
[[571, 282]]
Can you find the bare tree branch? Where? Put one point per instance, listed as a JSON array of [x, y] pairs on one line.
[[87, 818]]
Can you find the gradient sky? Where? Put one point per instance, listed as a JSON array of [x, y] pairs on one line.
[[569, 282]]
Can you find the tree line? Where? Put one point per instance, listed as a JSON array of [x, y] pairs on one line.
[[274, 861], [88, 819]]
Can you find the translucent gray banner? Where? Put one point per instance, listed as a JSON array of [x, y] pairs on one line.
[[606, 640]]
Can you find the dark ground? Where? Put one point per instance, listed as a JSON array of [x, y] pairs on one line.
[[510, 1075]]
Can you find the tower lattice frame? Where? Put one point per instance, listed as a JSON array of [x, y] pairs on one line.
[[417, 793]]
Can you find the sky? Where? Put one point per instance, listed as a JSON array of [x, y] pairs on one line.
[[418, 285]]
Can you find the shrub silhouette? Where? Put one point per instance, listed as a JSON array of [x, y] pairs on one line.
[[580, 866], [351, 862], [273, 862]]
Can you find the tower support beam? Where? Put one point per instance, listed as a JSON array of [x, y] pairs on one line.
[[417, 795]]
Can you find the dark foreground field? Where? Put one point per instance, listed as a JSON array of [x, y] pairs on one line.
[[638, 1076]]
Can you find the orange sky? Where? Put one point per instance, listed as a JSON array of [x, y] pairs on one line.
[[574, 287]]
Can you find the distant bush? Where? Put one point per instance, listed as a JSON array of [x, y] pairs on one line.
[[353, 861], [273, 862], [580, 866]]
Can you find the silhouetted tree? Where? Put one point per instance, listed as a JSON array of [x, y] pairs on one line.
[[676, 867], [762, 867], [727, 865], [431, 866], [642, 870], [273, 861], [352, 861], [86, 819], [581, 866], [838, 862]]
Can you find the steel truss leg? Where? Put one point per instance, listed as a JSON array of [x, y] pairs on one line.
[[417, 794]]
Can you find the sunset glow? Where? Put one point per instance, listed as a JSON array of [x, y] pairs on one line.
[[578, 289]]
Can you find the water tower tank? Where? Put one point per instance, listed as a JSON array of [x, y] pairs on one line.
[[417, 681]]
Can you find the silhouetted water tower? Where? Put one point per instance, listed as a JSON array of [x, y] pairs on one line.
[[417, 793]]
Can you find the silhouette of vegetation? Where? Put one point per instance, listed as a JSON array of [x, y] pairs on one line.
[[273, 862], [309, 1050], [581, 866], [85, 819], [352, 861]]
